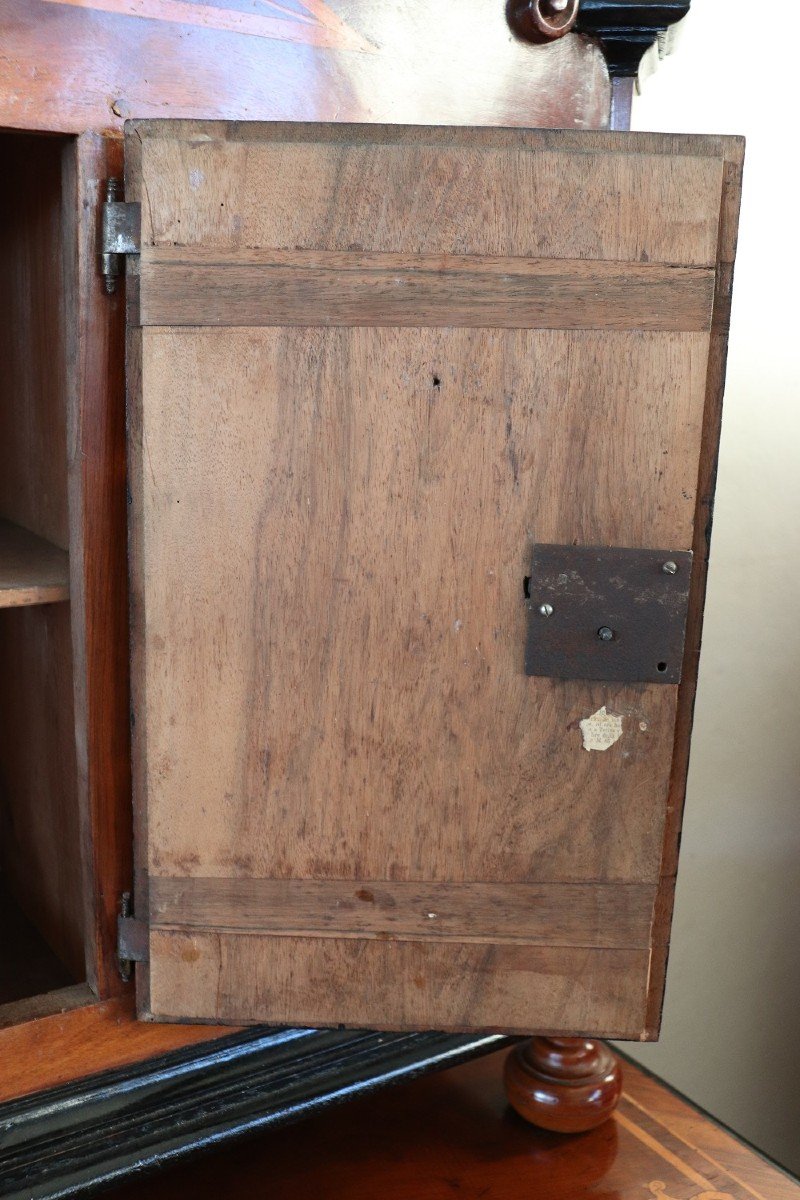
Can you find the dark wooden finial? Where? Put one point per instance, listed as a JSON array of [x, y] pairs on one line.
[[567, 1085], [541, 20]]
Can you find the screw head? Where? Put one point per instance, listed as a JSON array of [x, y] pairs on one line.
[[605, 634], [546, 610], [669, 567]]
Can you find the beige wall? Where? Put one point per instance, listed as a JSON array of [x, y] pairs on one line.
[[731, 1030]]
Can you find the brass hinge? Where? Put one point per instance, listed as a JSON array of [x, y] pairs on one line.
[[120, 234], [132, 938]]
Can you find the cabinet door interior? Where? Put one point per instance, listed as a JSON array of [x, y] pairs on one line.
[[371, 369]]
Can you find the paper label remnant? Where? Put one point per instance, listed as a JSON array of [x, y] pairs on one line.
[[600, 730]]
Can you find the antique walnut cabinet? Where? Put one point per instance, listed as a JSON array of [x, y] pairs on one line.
[[348, 668]]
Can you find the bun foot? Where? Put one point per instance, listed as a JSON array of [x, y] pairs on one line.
[[567, 1085]]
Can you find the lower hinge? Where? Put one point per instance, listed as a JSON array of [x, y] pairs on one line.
[[132, 938], [120, 234]]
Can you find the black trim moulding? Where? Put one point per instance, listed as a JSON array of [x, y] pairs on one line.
[[72, 1139], [626, 30]]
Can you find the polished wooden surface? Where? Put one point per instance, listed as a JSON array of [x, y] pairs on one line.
[[330, 530], [567, 1085], [76, 65], [454, 1135], [40, 1052]]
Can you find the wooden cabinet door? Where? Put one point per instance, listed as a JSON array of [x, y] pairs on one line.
[[371, 370]]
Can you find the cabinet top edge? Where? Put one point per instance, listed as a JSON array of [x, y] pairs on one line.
[[712, 145]]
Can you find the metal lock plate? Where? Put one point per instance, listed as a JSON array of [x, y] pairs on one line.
[[607, 613]]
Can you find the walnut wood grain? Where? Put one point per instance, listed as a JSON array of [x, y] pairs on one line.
[[328, 674], [559, 914], [200, 286], [32, 570], [508, 192], [408, 437], [395, 984]]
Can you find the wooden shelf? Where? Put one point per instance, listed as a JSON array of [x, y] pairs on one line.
[[32, 571]]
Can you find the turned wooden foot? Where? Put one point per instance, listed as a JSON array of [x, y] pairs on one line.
[[567, 1085]]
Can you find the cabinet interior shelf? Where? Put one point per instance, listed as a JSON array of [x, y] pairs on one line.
[[32, 570]]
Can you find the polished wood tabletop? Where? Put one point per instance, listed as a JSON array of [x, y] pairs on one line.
[[452, 1134]]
